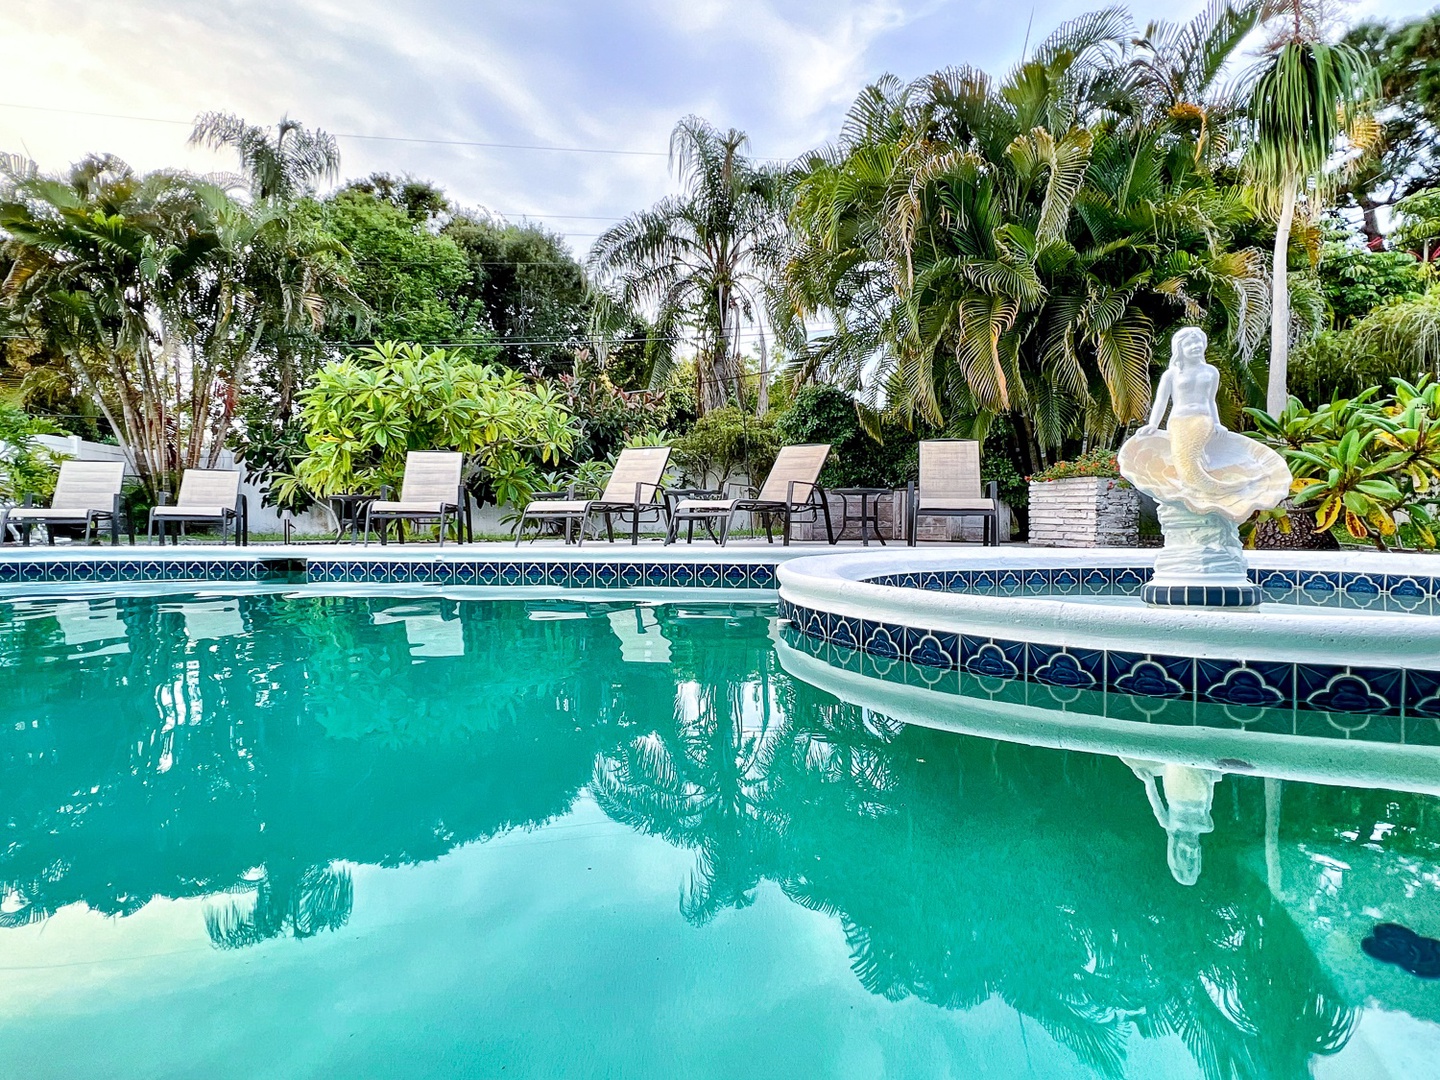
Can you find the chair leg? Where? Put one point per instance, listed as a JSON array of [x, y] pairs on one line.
[[785, 525], [609, 527], [635, 529], [443, 523], [829, 529]]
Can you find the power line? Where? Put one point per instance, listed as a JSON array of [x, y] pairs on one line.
[[357, 135]]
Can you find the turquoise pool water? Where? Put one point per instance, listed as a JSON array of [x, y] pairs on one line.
[[274, 834]]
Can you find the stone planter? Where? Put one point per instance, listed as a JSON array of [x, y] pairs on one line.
[[1084, 511]]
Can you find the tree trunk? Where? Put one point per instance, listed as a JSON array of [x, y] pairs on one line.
[[1277, 392]]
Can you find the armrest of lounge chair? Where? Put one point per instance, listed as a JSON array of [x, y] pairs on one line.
[[790, 490]]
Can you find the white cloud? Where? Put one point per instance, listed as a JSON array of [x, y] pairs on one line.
[[557, 72]]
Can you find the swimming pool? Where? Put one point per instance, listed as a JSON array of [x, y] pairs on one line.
[[285, 832]]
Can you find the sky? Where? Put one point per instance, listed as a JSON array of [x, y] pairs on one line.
[[591, 75]]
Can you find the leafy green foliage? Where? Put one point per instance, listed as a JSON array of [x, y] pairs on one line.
[[1406, 59], [530, 290], [825, 414], [362, 415], [412, 281], [1096, 463], [1014, 247], [1359, 461], [727, 442], [1354, 280], [703, 260], [26, 468]]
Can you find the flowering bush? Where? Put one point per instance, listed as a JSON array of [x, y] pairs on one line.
[[1097, 463]]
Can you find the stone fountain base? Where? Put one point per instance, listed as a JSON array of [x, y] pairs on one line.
[[1202, 563]]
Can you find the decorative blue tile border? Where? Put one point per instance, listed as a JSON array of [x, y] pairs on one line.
[[1389, 592], [509, 572], [1346, 699]]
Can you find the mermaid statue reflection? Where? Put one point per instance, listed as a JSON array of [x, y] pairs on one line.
[[1205, 480]]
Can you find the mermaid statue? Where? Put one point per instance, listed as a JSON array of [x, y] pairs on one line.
[[1205, 480], [1183, 811]]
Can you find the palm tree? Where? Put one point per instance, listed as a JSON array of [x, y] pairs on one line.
[[1016, 248], [1304, 98], [280, 167], [703, 260]]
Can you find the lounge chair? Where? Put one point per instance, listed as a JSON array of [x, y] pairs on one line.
[[207, 497], [86, 493], [634, 489], [792, 488], [431, 491], [950, 486]]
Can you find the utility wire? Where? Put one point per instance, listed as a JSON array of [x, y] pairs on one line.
[[356, 135]]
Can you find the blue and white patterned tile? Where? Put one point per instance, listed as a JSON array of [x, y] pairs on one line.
[[931, 649], [9, 572], [882, 640], [982, 581], [1422, 694], [1407, 587], [1009, 582], [1037, 580], [845, 632], [1147, 675], [1361, 585], [998, 659], [1129, 579], [632, 574], [1276, 582], [1079, 669], [1320, 581], [708, 576], [1254, 684], [1065, 581], [1349, 690], [682, 575], [932, 582], [1096, 579]]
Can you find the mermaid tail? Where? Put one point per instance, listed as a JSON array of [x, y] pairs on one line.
[[1198, 464]]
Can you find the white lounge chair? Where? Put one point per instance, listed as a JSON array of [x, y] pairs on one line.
[[431, 491], [950, 486], [86, 493], [207, 497], [634, 489], [792, 488]]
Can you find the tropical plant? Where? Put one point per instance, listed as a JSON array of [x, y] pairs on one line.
[[158, 292], [701, 262], [26, 467], [362, 415], [281, 167], [1096, 463], [1305, 98], [1417, 224], [1406, 59], [1358, 462], [1015, 247], [727, 443]]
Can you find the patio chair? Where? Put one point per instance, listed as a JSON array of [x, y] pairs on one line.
[[207, 497], [950, 486], [633, 490], [792, 488], [431, 491], [86, 493]]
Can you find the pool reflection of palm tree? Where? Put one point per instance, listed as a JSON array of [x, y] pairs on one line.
[[289, 899]]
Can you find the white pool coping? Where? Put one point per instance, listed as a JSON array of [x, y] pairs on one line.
[[836, 584]]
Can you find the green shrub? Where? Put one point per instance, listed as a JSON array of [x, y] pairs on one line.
[[26, 468], [726, 442], [362, 415], [1097, 463], [824, 414]]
